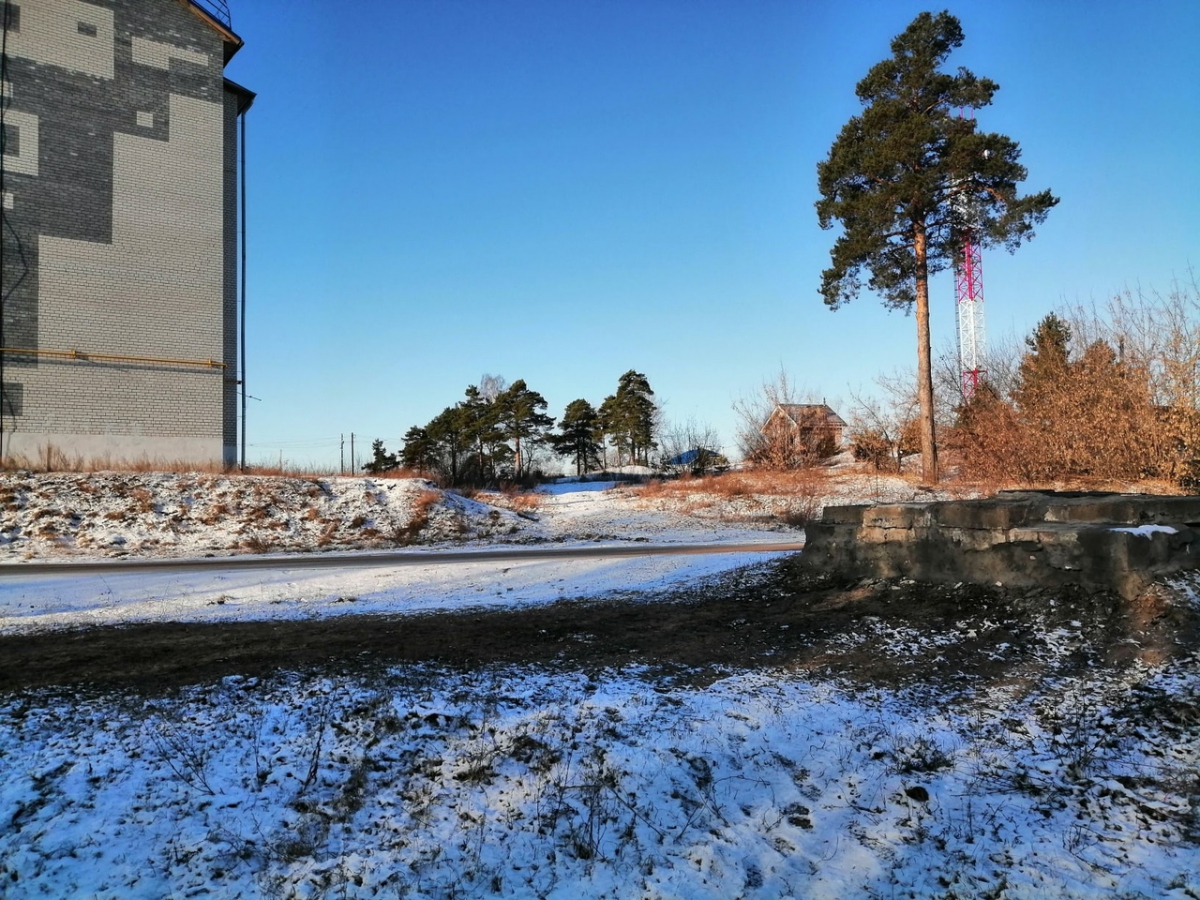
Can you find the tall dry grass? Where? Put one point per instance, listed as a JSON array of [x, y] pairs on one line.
[[750, 482], [51, 458]]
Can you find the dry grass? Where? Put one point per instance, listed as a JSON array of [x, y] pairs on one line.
[[400, 473], [512, 497], [327, 534], [256, 544], [143, 500], [50, 458], [408, 533], [215, 513], [731, 485], [258, 513]]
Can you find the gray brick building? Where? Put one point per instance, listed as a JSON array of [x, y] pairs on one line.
[[120, 230]]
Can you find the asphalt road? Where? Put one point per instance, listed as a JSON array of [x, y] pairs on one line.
[[377, 559]]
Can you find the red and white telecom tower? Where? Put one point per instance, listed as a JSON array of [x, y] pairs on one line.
[[968, 280]]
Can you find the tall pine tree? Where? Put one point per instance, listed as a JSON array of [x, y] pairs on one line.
[[899, 177]]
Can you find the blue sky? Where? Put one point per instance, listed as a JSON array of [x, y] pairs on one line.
[[564, 190]]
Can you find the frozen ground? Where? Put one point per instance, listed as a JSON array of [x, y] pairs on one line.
[[828, 748], [111, 516], [553, 782]]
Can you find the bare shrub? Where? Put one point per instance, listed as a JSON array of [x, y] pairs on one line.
[[691, 448], [884, 428]]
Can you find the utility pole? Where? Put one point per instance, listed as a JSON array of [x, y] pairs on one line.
[[353, 469], [342, 453]]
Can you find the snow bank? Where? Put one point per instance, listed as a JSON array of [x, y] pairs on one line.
[[110, 514]]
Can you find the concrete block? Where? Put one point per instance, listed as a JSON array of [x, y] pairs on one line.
[[1053, 544]]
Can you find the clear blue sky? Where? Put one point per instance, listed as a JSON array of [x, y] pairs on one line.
[[564, 190]]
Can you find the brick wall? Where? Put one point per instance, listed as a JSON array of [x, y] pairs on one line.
[[125, 216]]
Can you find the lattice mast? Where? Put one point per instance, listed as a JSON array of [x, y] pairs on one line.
[[968, 280]]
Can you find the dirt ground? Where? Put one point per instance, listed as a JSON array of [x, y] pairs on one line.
[[766, 617]]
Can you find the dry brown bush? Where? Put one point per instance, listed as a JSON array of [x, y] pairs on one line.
[[1123, 407], [327, 534], [255, 544], [214, 513], [1093, 419], [143, 499]]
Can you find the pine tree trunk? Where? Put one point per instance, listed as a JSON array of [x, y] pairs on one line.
[[929, 461]]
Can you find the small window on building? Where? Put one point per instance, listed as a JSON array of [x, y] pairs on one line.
[[12, 140], [88, 29], [11, 397], [12, 17]]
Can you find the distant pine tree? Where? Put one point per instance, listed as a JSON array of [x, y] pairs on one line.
[[381, 460], [520, 418], [419, 452], [1044, 368], [629, 417], [579, 436]]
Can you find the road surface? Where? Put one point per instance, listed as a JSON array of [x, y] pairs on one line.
[[376, 559]]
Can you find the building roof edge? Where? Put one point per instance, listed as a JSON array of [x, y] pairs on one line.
[[233, 43]]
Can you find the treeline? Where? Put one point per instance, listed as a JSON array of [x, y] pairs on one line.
[[501, 433], [1109, 393], [1081, 408]]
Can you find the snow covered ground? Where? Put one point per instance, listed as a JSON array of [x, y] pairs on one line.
[[112, 515], [1061, 776], [529, 782], [29, 601], [126, 515]]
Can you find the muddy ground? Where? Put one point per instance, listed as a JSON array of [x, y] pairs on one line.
[[773, 616]]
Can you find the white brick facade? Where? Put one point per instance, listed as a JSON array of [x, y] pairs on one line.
[[126, 251]]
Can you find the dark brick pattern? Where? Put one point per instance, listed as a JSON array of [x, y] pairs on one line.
[[82, 118]]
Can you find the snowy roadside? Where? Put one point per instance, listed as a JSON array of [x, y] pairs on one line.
[[111, 515], [30, 602], [1015, 758], [524, 782]]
